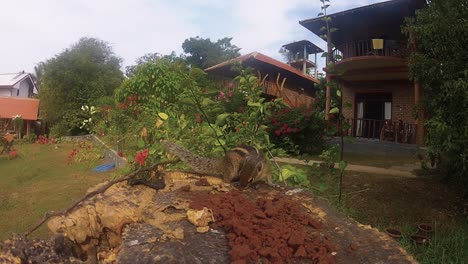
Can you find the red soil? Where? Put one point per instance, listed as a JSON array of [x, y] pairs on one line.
[[272, 230]]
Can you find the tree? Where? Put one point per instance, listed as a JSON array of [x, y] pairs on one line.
[[204, 53], [78, 76], [438, 36], [153, 57]]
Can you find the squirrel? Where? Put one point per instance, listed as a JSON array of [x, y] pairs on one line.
[[245, 164]]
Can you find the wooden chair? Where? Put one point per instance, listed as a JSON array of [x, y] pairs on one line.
[[388, 131]]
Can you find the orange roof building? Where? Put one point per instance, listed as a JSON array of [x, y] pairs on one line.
[[16, 90], [27, 108], [299, 88]]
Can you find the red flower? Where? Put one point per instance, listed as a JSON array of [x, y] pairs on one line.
[[12, 154], [198, 118], [120, 153], [141, 157], [277, 132]]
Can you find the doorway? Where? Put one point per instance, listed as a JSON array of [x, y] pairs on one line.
[[372, 109]]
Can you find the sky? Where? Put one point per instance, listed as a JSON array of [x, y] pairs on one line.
[[32, 31]]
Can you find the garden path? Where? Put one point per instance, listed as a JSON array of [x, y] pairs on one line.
[[394, 171]]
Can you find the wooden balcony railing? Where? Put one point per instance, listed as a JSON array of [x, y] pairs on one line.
[[384, 130], [391, 48]]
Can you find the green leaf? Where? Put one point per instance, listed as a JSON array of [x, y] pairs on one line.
[[152, 151], [333, 30], [338, 93], [343, 164], [254, 104], [334, 110], [221, 118], [163, 116], [325, 54], [206, 102], [140, 143]]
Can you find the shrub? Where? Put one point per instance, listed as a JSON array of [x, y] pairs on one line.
[[297, 130]]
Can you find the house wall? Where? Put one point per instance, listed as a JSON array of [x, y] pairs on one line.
[[402, 98], [5, 92], [24, 89], [292, 95]]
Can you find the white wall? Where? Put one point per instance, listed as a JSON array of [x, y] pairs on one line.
[[5, 92], [23, 89]]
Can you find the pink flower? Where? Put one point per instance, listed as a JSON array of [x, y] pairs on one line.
[[277, 132], [221, 96], [230, 85]]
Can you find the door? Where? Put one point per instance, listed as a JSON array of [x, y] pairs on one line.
[[372, 111]]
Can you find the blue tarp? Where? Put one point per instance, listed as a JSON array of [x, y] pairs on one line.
[[104, 167]]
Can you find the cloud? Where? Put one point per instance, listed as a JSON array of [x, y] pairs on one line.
[[33, 31]]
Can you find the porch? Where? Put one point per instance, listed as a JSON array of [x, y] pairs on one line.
[[378, 130]]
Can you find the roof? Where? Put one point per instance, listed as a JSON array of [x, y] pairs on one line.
[[11, 79], [382, 20], [257, 56], [298, 46], [28, 108]]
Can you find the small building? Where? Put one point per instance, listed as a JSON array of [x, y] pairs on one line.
[[16, 92], [370, 54], [298, 56], [296, 88]]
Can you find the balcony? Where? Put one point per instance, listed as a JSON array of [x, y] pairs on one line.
[[370, 61], [369, 47], [383, 130]]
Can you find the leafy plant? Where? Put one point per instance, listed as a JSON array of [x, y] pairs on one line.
[[437, 37]]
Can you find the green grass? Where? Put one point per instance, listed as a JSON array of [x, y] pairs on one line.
[[40, 180], [446, 247], [395, 202]]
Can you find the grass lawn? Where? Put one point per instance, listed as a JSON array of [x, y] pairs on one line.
[[40, 180], [395, 202]]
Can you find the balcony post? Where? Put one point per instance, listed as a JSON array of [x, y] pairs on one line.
[[419, 122], [329, 79]]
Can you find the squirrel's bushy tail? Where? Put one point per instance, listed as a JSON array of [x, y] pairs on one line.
[[199, 164]]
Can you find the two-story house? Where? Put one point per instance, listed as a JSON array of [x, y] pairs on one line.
[[16, 92], [370, 64]]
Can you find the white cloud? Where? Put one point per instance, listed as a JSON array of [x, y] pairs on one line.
[[32, 31]]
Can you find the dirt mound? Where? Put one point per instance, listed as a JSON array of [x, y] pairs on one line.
[[137, 224], [276, 229]]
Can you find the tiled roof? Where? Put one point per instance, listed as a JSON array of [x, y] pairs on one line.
[[28, 108], [263, 58]]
